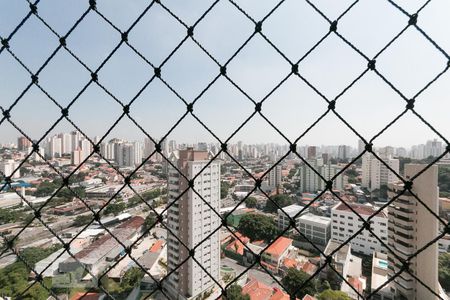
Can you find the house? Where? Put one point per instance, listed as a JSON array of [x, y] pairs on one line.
[[274, 255], [260, 291]]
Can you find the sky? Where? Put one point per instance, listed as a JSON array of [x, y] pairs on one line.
[[409, 63]]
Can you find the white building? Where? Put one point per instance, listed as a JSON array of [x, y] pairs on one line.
[[375, 173], [107, 150], [149, 147], [75, 139], [66, 143], [77, 157], [317, 229], [7, 167], [345, 223], [86, 148], [433, 148], [53, 147], [347, 265], [311, 181], [191, 221], [138, 153], [275, 177], [292, 211]]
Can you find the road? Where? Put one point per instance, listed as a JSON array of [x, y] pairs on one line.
[[259, 275]]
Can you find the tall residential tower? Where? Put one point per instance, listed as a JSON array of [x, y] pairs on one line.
[[192, 221], [411, 227]]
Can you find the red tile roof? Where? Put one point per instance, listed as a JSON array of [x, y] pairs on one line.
[[290, 263], [279, 246], [257, 290], [279, 295], [309, 268], [157, 246], [236, 245]]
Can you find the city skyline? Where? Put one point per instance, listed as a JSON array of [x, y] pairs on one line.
[[109, 138], [368, 106]]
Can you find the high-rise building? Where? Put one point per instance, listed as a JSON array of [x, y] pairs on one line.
[[149, 147], [375, 173], [361, 146], [311, 182], [380, 174], [66, 143], [433, 148], [192, 221], [137, 155], [76, 138], [23, 143], [76, 157], [86, 148], [411, 227], [312, 152], [275, 177], [344, 152], [7, 168], [53, 147]]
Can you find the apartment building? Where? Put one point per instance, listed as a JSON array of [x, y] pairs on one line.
[[375, 173], [344, 223], [275, 177], [312, 182], [411, 227], [191, 222], [7, 168]]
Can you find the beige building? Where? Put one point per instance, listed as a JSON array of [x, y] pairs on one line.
[[411, 227], [192, 222]]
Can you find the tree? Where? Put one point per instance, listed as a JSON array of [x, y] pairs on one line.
[[325, 285], [224, 187], [115, 208], [282, 201], [131, 279], [14, 277], [444, 271], [444, 181], [82, 220], [149, 220], [251, 202], [333, 295], [258, 227], [234, 292], [293, 283], [46, 188]]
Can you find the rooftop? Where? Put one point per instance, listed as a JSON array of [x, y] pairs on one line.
[[279, 246], [317, 219], [291, 210], [341, 254], [257, 290], [362, 209], [157, 246]]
